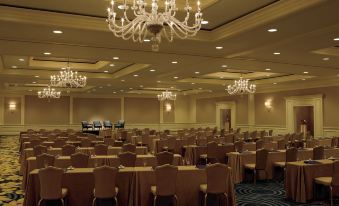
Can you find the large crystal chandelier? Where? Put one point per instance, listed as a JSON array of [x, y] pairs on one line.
[[241, 86], [68, 78], [153, 22], [167, 95], [49, 93]]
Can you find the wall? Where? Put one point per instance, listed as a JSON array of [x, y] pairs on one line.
[[142, 110], [12, 116]]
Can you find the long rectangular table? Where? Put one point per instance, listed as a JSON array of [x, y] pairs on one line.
[[134, 186]]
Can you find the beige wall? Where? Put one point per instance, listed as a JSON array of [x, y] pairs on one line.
[[96, 109], [142, 110], [42, 111], [14, 116]]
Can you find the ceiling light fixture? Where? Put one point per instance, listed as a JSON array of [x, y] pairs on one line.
[[167, 95], [14, 67], [106, 71], [336, 39], [224, 66], [157, 22], [49, 93], [68, 78], [305, 72], [276, 53], [47, 53], [219, 47], [204, 22], [147, 40], [197, 72], [135, 75], [174, 62], [36, 76], [116, 58], [326, 58], [272, 30], [241, 86], [152, 70], [111, 65], [176, 77], [21, 59], [57, 32], [268, 69]]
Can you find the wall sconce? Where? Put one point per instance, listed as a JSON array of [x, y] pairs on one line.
[[168, 107], [268, 105], [12, 106]]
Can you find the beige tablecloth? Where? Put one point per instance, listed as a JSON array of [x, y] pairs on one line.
[[134, 186]]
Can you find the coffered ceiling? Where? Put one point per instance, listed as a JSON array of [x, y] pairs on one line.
[[302, 53]]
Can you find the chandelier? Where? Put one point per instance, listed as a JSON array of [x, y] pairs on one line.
[[241, 86], [49, 93], [68, 78], [167, 95], [153, 22]]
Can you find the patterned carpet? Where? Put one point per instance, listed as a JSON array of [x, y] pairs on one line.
[[263, 194]]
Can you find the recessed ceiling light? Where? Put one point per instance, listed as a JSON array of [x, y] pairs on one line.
[[115, 58], [100, 87], [130, 88], [34, 82], [21, 60], [37, 76], [47, 53], [136, 75], [224, 66], [204, 22], [172, 87], [274, 83], [114, 92], [174, 62], [175, 77], [30, 90], [106, 71], [276, 53], [268, 69], [303, 79], [192, 83], [219, 47], [57, 32], [152, 70], [147, 40], [141, 86], [272, 30], [122, 80], [158, 81], [197, 72], [336, 39], [305, 72], [14, 67], [326, 58], [221, 77], [111, 65]]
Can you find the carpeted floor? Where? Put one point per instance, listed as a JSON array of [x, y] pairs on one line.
[[263, 194]]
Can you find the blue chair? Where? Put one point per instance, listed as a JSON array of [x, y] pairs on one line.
[[108, 124], [97, 124], [120, 124], [85, 125]]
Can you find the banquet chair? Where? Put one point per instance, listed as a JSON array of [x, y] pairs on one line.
[[311, 143], [70, 130], [331, 182], [123, 136], [191, 140], [270, 132], [259, 144], [118, 143], [165, 180], [127, 159], [68, 150], [79, 160], [211, 156], [108, 124], [59, 142], [334, 142], [260, 165], [216, 181], [129, 148], [291, 155], [262, 133], [164, 158], [246, 136], [318, 153], [281, 144], [105, 183], [97, 124], [201, 141], [35, 142], [143, 140], [109, 141], [39, 149], [86, 142], [120, 124], [100, 149], [86, 126], [45, 160], [229, 138], [169, 144], [50, 179], [239, 146]]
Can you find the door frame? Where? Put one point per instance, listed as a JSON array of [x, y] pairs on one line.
[[226, 105]]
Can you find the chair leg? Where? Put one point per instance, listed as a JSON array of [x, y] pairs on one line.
[[176, 200], [154, 200], [116, 201], [62, 202], [255, 176], [205, 200], [331, 195], [226, 198], [39, 202], [93, 203]]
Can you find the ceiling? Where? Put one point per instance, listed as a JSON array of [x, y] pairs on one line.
[[309, 55]]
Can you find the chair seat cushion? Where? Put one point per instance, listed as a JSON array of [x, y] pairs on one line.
[[203, 188], [323, 180], [250, 166], [154, 190], [64, 192], [280, 164]]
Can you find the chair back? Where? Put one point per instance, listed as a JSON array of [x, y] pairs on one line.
[[164, 158], [261, 159], [201, 141], [45, 160], [291, 154], [68, 150], [127, 159], [35, 142], [335, 177], [281, 144], [108, 124], [59, 142], [105, 181], [318, 153], [79, 160], [166, 180], [101, 149], [311, 143], [39, 149], [86, 142], [216, 178], [109, 141], [191, 140], [229, 138], [212, 149], [334, 142], [118, 143], [50, 179], [259, 144], [129, 148], [97, 124], [270, 132], [239, 146]]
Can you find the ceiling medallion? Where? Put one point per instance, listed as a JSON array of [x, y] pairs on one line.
[[152, 22], [167, 95], [241, 86], [68, 78], [49, 93]]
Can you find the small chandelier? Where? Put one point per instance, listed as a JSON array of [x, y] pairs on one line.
[[49, 93], [68, 79], [153, 22], [241, 86], [167, 95]]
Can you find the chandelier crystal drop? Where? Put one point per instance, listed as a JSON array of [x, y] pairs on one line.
[[152, 24], [69, 79], [167, 95], [241, 86], [49, 93]]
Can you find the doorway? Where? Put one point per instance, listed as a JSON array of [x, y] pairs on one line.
[[225, 119], [225, 112], [304, 119]]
